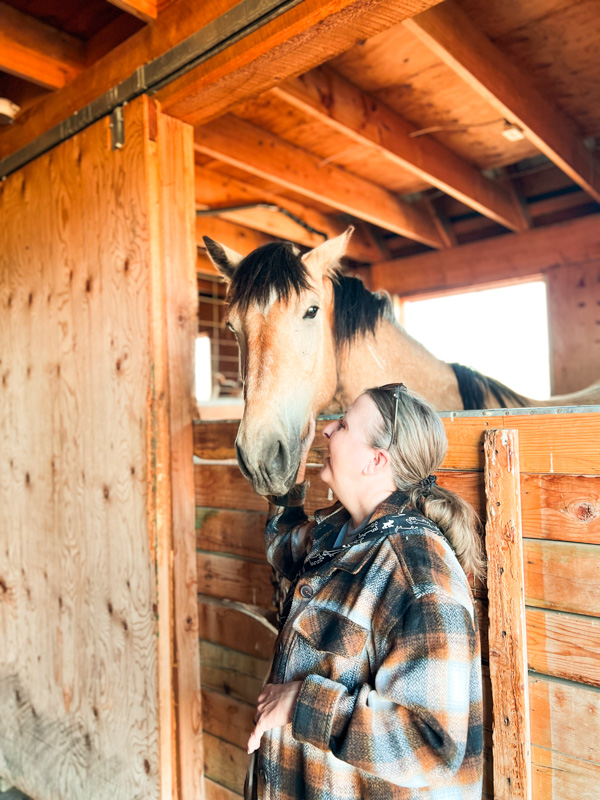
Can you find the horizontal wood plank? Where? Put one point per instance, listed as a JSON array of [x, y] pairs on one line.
[[565, 717], [238, 533], [227, 717], [214, 791], [231, 672], [563, 507], [548, 443], [225, 763], [562, 576], [556, 776], [234, 579], [235, 626], [564, 645]]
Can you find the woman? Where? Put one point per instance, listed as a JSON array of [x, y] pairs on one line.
[[375, 687]]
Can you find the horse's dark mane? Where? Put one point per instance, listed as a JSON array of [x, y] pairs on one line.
[[271, 268], [278, 269], [473, 386]]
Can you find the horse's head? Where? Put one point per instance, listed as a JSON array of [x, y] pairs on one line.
[[281, 311]]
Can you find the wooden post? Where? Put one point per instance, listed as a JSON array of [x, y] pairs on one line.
[[507, 643]]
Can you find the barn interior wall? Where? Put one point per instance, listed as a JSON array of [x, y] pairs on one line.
[[574, 326], [95, 358]]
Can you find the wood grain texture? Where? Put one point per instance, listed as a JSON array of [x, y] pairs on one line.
[[453, 37], [562, 576], [228, 718], [178, 254], [215, 791], [78, 686], [506, 633], [225, 763], [296, 41], [231, 672], [564, 645], [340, 105], [35, 51], [236, 626], [556, 776], [563, 507], [565, 717], [265, 155], [234, 579]]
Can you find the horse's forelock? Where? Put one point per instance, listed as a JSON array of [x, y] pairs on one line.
[[273, 270]]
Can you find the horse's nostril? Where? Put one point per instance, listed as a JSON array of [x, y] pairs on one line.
[[280, 460], [241, 462]]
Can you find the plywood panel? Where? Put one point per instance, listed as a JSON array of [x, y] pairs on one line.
[[78, 686]]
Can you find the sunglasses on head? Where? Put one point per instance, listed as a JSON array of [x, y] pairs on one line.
[[396, 388]]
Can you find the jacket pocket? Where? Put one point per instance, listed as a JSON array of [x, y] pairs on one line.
[[330, 632]]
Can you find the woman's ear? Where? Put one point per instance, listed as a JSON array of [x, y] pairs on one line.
[[377, 463]]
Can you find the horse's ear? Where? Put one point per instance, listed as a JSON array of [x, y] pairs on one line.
[[224, 259], [325, 258]]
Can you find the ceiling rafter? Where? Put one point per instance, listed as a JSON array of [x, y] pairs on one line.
[[214, 189], [452, 36], [506, 257], [261, 153], [146, 10], [339, 104], [37, 52]]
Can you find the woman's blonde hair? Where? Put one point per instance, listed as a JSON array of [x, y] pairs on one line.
[[414, 435]]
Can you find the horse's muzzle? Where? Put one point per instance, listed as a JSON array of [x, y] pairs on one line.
[[270, 468]]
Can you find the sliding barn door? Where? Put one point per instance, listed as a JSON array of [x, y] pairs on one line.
[[99, 674]]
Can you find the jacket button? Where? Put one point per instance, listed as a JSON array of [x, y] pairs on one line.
[[280, 647], [306, 591], [262, 774]]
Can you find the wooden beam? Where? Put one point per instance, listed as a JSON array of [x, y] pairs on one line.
[[449, 32], [37, 52], [514, 255], [506, 633], [237, 237], [339, 104], [303, 37], [293, 42], [214, 189], [146, 10], [261, 153]]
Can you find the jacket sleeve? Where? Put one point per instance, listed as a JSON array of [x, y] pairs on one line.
[[410, 727], [287, 535]]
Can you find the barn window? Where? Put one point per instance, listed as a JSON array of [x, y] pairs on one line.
[[203, 369], [500, 331]]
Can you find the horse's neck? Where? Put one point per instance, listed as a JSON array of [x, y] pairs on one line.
[[391, 355]]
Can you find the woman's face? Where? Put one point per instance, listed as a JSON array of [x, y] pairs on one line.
[[349, 448]]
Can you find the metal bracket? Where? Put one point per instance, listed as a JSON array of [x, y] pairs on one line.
[[117, 128]]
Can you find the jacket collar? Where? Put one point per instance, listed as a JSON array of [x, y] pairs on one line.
[[352, 558]]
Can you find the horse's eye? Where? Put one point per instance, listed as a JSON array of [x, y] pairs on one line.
[[230, 327], [311, 313]]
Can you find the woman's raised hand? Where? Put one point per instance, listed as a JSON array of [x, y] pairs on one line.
[[306, 445]]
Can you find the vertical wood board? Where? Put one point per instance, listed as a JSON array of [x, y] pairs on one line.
[[506, 633]]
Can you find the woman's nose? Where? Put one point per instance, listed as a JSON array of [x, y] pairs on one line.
[[327, 430]]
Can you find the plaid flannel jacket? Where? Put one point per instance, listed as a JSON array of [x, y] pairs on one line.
[[384, 636]]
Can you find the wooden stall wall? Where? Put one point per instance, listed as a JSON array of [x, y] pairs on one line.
[[560, 498], [94, 351]]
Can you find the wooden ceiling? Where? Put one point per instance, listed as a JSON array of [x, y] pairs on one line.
[[392, 121]]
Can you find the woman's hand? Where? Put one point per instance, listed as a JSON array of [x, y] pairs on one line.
[[274, 708], [306, 444]]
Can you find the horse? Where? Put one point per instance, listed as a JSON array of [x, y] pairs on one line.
[[311, 337]]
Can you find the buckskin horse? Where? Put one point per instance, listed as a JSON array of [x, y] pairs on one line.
[[311, 337]]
